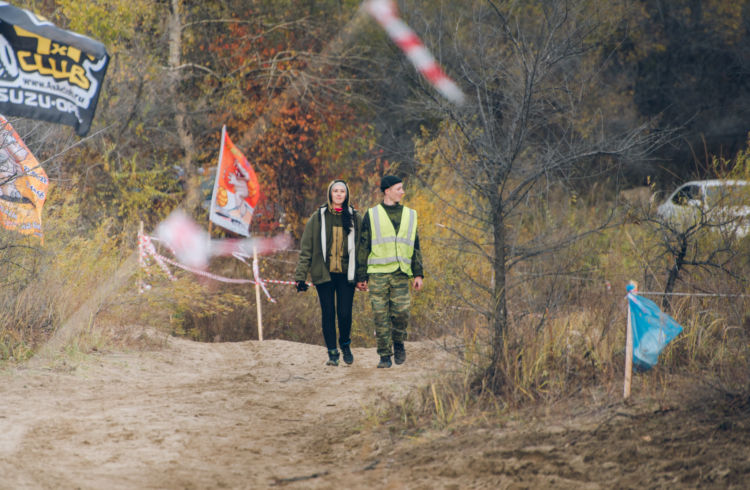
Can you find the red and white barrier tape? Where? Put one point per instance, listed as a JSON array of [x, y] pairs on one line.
[[147, 251], [276, 281], [258, 280], [209, 275], [155, 239], [192, 245], [241, 257], [384, 12]]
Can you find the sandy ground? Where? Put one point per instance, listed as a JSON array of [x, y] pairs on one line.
[[192, 415], [270, 414]]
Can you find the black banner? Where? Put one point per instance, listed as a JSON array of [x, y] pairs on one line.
[[48, 73]]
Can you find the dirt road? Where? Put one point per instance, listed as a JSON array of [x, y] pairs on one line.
[[192, 415], [270, 414]]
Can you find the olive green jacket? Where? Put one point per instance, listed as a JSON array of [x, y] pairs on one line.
[[311, 256]]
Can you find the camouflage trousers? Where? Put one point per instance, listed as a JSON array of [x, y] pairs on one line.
[[389, 295]]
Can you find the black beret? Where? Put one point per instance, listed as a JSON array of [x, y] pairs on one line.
[[388, 181]]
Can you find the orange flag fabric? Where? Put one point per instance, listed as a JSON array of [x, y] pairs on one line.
[[23, 184], [236, 190]]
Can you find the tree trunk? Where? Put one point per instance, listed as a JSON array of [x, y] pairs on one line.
[[180, 110], [499, 314], [674, 273]]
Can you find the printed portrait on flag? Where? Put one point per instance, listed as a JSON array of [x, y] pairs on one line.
[[23, 184], [236, 189], [48, 73]]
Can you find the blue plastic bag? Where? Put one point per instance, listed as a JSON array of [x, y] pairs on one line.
[[652, 331]]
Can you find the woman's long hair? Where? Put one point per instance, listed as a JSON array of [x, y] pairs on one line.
[[346, 215]]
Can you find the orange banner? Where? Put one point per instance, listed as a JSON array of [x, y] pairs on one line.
[[23, 184], [236, 189]]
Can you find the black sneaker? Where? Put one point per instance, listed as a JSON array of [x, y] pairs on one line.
[[347, 352], [333, 358], [399, 353], [385, 362]]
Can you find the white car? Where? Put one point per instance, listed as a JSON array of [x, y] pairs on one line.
[[721, 203]]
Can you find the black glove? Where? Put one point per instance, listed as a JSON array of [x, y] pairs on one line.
[[302, 286]]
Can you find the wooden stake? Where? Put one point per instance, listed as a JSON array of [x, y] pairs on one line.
[[257, 293], [629, 350], [140, 259]]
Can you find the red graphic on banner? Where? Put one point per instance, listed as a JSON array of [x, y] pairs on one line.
[[236, 190]]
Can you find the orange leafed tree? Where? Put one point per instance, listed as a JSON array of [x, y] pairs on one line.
[[314, 135]]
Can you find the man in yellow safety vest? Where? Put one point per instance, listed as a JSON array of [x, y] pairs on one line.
[[388, 256]]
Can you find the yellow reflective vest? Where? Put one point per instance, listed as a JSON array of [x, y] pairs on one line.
[[390, 251]]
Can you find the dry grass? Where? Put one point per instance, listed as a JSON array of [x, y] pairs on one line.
[[566, 336]]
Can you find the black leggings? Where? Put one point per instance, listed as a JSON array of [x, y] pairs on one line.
[[338, 288]]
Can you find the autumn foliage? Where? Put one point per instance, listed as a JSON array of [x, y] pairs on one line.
[[313, 137]]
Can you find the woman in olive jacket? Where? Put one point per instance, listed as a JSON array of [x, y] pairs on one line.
[[328, 253]]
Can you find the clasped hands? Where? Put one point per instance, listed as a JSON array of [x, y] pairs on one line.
[[362, 285]]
